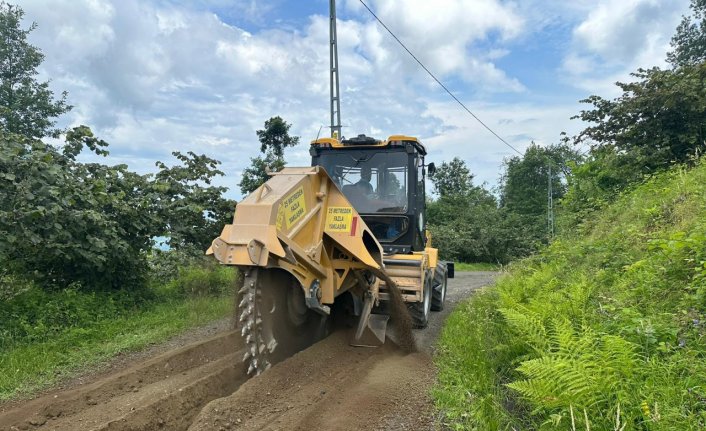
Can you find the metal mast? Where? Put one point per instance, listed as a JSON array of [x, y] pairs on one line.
[[335, 95]]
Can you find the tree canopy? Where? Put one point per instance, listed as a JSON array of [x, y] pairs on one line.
[[274, 138], [689, 41], [524, 183], [192, 211], [657, 122], [452, 178], [64, 221], [27, 107]]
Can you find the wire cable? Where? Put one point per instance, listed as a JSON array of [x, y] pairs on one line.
[[437, 80]]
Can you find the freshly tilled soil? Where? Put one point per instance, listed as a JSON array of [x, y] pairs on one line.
[[203, 386], [331, 385], [164, 392]]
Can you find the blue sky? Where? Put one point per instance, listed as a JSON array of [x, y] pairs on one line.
[[152, 77]]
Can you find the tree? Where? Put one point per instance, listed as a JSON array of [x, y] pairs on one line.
[[464, 220], [63, 221], [689, 41], [659, 119], [524, 183], [274, 138], [192, 210], [27, 107], [66, 222], [452, 178], [657, 122]]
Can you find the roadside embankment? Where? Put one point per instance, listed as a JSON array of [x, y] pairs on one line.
[[605, 329]]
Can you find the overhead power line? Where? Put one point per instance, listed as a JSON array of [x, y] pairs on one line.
[[437, 80]]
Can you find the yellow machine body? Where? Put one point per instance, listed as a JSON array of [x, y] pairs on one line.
[[299, 221], [300, 232]]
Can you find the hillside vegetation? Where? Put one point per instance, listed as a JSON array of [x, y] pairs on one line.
[[606, 328]]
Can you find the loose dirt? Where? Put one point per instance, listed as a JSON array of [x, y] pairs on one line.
[[203, 386], [401, 321]]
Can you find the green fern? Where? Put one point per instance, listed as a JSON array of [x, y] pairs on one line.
[[529, 324], [580, 369]]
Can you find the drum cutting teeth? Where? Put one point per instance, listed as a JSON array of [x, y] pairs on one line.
[[269, 325], [251, 326]]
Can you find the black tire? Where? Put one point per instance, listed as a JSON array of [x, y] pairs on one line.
[[438, 294], [419, 311]]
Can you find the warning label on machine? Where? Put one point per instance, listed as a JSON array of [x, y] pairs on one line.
[[339, 219], [291, 209]]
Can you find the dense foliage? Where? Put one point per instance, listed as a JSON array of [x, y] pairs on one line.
[[689, 41], [469, 224], [89, 225], [64, 221], [461, 220], [191, 211], [607, 323]]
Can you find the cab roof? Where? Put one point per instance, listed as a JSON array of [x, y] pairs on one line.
[[362, 141]]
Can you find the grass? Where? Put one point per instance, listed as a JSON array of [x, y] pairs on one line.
[[469, 390], [25, 369], [605, 326], [477, 266], [46, 336]]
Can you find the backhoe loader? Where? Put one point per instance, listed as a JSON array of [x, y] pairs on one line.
[[333, 239]]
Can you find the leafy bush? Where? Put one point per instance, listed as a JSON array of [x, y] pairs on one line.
[[467, 232], [203, 280], [164, 265], [67, 222], [605, 326], [30, 314], [35, 314]]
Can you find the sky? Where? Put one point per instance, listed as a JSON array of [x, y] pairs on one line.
[[155, 76]]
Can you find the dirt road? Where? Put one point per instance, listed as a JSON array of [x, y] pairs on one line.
[[203, 386]]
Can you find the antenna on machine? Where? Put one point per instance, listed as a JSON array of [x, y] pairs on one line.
[[335, 94]]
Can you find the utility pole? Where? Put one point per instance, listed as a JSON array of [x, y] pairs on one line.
[[335, 94], [550, 203]]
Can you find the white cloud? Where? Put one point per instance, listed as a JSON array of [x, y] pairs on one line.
[[618, 37], [154, 77], [519, 124], [440, 34]]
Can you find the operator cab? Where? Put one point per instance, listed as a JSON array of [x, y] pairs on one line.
[[384, 180]]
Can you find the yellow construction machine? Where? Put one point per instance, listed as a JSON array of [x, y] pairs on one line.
[[343, 238], [333, 239]]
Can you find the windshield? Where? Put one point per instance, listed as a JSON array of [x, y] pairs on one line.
[[374, 182]]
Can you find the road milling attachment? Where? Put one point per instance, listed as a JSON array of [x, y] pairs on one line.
[[275, 321]]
